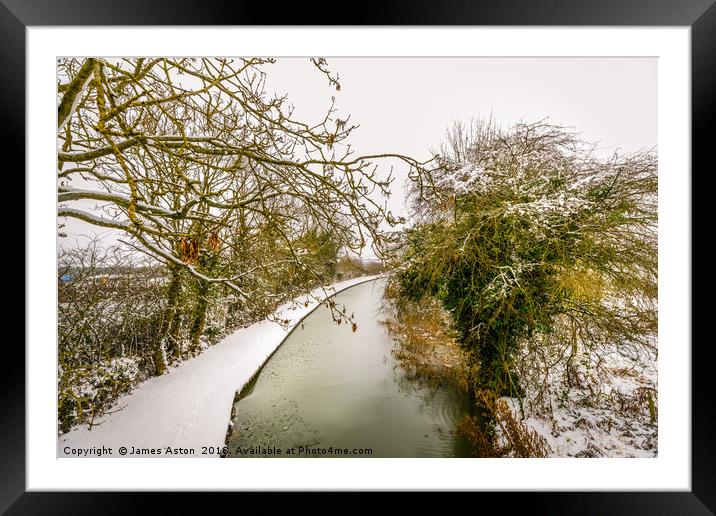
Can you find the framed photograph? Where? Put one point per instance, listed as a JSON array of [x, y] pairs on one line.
[[440, 248]]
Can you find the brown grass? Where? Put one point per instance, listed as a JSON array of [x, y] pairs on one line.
[[510, 436]]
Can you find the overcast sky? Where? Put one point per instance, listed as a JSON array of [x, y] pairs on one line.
[[404, 105]]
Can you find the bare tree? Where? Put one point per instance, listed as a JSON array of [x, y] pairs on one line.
[[187, 157], [177, 149]]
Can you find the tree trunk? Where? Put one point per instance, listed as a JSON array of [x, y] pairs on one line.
[[199, 320], [172, 318], [160, 359]]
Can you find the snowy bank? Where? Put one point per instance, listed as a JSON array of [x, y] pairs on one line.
[[610, 410], [189, 407]]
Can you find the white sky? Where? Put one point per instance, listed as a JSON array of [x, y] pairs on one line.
[[405, 105]]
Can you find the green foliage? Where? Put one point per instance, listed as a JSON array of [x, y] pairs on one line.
[[320, 252], [525, 226]]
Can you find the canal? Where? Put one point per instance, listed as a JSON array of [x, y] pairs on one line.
[[329, 388]]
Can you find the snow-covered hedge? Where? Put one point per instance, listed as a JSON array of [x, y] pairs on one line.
[[529, 239], [86, 391]]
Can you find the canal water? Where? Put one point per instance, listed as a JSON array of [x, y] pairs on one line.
[[329, 391]]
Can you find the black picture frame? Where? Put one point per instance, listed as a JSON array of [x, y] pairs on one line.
[[700, 15]]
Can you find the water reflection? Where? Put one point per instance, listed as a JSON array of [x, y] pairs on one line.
[[328, 387]]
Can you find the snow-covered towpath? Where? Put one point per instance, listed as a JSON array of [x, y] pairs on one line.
[[189, 407]]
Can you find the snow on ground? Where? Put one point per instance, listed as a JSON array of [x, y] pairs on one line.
[[189, 407], [610, 410]]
